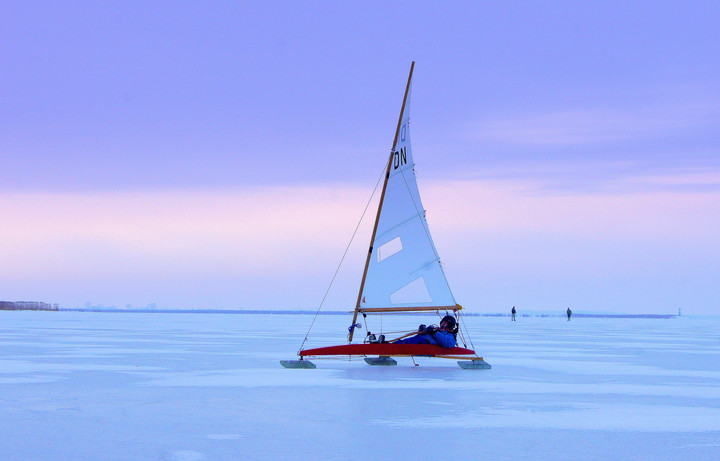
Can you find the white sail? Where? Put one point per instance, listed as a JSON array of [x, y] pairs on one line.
[[404, 268]]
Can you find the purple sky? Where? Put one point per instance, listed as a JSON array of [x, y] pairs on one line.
[[220, 154]]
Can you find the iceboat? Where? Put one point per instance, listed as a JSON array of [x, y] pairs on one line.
[[403, 271]]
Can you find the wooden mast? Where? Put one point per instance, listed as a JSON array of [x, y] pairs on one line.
[[382, 198]]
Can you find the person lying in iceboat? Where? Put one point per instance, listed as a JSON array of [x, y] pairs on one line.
[[442, 336]]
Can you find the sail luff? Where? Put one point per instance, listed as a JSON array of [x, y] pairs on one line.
[[379, 210]]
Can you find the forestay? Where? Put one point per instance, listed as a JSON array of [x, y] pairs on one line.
[[404, 268]]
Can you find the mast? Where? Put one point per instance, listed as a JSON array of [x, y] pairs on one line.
[[382, 198]]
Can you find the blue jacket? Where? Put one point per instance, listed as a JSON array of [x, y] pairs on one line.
[[442, 338]]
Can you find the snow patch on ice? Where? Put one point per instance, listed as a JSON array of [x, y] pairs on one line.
[[438, 378], [600, 368], [187, 455], [21, 366], [31, 379], [224, 436], [598, 417]]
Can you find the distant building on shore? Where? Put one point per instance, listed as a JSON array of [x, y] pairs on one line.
[[28, 306]]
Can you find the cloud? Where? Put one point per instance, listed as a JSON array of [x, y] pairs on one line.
[[659, 118], [601, 177], [520, 207]]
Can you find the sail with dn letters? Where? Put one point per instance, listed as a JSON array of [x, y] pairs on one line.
[[404, 269], [403, 273]]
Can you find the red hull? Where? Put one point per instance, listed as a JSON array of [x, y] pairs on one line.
[[388, 349]]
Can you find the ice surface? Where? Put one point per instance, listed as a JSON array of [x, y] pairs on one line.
[[131, 386]]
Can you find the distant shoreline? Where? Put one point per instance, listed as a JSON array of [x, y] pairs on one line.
[[28, 306], [307, 312]]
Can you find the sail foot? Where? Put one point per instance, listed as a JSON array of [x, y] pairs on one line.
[[373, 310]]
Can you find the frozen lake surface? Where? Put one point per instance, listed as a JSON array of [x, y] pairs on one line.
[[131, 386]]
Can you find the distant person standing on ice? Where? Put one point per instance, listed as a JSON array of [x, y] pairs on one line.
[[569, 314], [443, 336], [513, 313]]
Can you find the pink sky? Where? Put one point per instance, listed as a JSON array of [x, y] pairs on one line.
[[503, 243]]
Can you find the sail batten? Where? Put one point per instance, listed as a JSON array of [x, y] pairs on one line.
[[425, 266], [395, 227]]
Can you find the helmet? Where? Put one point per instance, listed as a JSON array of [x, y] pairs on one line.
[[450, 320]]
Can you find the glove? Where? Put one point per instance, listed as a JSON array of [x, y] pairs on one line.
[[421, 328], [430, 330]]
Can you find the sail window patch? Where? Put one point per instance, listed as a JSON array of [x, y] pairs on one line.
[[414, 292], [389, 249]]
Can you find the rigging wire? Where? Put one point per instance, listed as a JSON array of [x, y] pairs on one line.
[[462, 320], [342, 259], [365, 322]]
